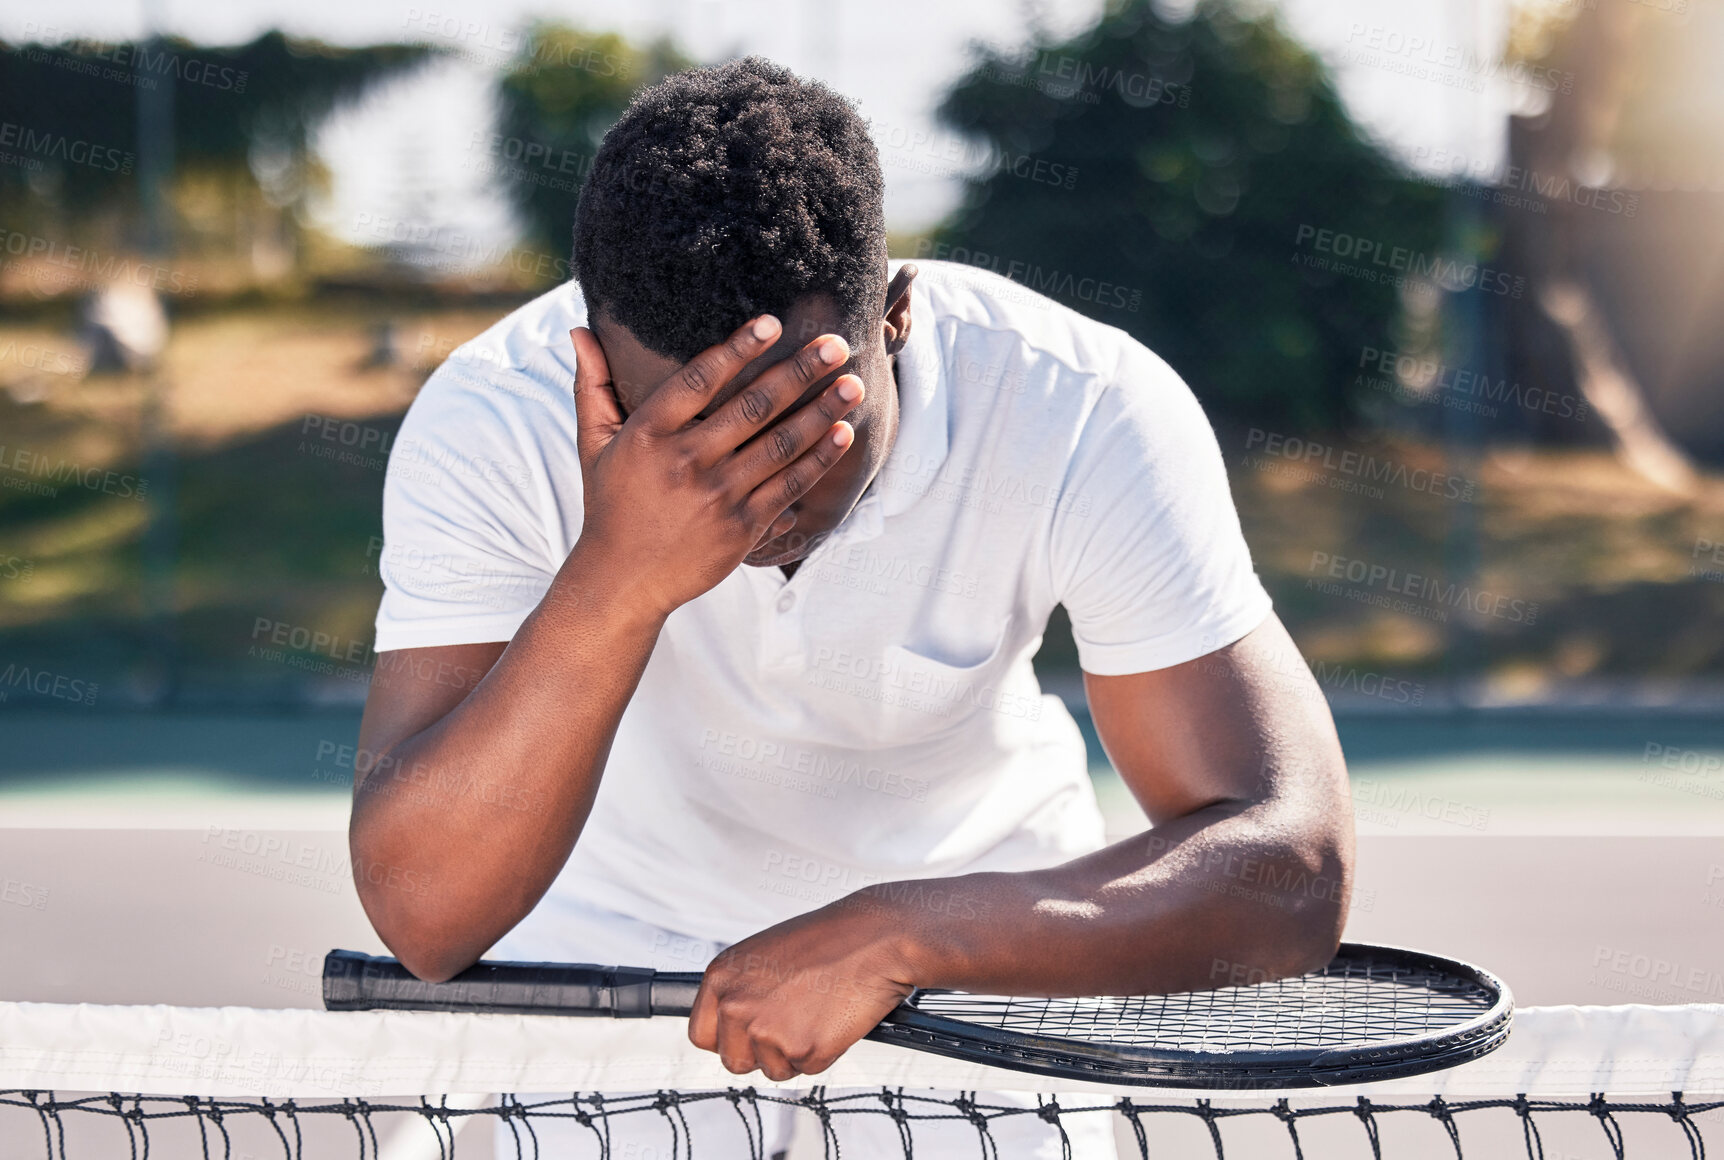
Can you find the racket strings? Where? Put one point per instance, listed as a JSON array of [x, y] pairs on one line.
[[1349, 1004]]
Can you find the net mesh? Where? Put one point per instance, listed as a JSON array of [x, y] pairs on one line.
[[1571, 1083], [1350, 1003], [613, 1126]]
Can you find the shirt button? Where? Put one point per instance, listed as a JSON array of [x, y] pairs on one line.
[[787, 602]]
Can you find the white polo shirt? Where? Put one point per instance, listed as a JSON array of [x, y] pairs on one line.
[[876, 717]]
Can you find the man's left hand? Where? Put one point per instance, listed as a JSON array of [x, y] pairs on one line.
[[793, 998]]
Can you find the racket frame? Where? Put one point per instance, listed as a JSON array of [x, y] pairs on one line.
[[1067, 1058], [357, 982]]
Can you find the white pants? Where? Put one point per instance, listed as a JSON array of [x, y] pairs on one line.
[[561, 930]]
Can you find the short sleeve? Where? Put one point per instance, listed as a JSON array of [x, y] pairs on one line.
[[1147, 553], [470, 542]]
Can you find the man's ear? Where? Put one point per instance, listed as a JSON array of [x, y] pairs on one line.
[[897, 322]]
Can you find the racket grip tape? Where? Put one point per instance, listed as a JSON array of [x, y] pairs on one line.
[[359, 982]]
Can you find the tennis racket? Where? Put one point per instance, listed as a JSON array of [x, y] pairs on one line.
[[1374, 1013]]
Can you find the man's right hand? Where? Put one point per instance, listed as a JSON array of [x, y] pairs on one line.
[[672, 502]]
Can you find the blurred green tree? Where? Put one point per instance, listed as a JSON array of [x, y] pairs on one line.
[[242, 123], [564, 89], [1201, 147]]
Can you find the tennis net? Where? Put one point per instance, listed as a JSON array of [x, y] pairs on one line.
[[163, 1082]]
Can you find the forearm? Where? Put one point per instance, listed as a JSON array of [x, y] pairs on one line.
[[1222, 895], [458, 830]]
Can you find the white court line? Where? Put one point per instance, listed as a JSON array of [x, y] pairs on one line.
[[142, 810]]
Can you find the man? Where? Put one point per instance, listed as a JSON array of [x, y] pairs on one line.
[[731, 647]]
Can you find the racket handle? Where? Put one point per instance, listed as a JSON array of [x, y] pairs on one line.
[[673, 992], [357, 982]]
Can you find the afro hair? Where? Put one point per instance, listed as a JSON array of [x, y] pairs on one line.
[[726, 192]]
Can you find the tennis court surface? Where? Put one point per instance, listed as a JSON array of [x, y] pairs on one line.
[[230, 900]]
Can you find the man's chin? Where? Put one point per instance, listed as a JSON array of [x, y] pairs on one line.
[[771, 556], [779, 551]]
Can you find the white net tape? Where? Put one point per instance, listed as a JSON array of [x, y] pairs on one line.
[[159, 1082], [236, 1051]]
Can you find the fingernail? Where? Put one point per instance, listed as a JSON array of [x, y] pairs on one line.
[[765, 327], [832, 351], [849, 389], [843, 436]]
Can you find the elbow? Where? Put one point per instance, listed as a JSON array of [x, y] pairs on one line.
[[411, 919], [1319, 917], [1305, 940], [429, 954], [430, 963], [1309, 887], [1314, 947]]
